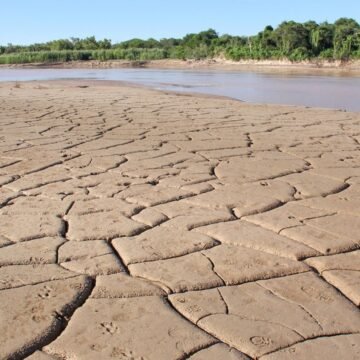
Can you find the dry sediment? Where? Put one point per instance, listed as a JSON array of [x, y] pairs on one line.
[[137, 224]]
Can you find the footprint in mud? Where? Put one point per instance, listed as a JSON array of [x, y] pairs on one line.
[[260, 341], [317, 294], [46, 292], [123, 354], [110, 327]]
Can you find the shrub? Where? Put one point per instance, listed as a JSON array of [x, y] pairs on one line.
[[327, 54], [299, 54]]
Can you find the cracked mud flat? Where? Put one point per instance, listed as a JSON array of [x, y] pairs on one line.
[[143, 225]]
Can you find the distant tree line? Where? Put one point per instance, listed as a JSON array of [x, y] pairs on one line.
[[290, 40]]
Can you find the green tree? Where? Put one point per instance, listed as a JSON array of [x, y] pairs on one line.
[[90, 43], [310, 25], [152, 44], [345, 37], [169, 43], [132, 43], [104, 44], [267, 38], [202, 38], [290, 36], [322, 37], [62, 44]]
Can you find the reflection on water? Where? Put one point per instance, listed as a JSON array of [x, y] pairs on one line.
[[325, 90]]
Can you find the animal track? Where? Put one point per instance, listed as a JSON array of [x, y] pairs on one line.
[[260, 341], [122, 354], [46, 292], [110, 327]]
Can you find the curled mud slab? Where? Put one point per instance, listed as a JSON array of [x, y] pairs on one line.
[[139, 225]]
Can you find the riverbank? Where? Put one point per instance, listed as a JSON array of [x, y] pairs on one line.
[[219, 64], [156, 225]]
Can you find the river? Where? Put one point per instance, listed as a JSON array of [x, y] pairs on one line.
[[337, 91]]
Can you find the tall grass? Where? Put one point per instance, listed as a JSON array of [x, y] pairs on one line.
[[44, 57], [84, 55]]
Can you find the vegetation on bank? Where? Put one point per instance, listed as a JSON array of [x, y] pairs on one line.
[[290, 40]]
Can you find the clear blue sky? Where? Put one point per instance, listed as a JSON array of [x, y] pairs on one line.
[[29, 21]]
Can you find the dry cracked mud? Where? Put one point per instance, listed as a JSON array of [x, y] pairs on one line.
[[144, 225]]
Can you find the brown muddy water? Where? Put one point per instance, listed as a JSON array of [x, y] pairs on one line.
[[337, 91]]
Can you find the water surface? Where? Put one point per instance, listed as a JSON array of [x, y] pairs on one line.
[[329, 91]]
